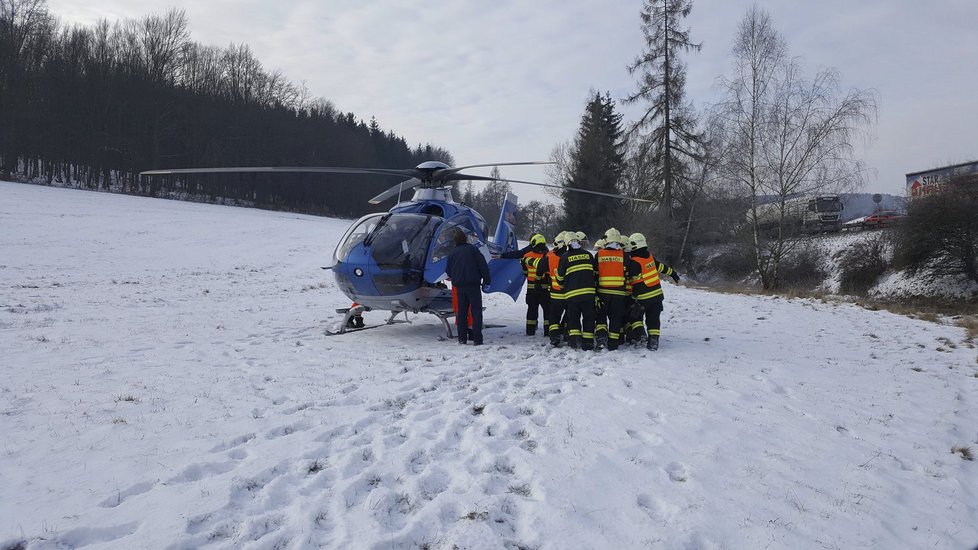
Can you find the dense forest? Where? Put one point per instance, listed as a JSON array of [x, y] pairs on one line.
[[92, 107]]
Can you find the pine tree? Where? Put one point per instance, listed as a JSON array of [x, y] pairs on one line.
[[662, 81], [597, 164]]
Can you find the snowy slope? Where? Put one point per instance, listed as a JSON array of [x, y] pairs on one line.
[[165, 383]]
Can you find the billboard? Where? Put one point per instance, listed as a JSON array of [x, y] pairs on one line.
[[929, 181]]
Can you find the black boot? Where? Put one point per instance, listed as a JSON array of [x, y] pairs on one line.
[[653, 343], [601, 341]]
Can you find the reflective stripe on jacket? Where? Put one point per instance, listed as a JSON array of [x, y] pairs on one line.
[[556, 289], [529, 262], [576, 274], [644, 274], [611, 272]]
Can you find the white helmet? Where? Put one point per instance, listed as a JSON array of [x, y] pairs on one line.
[[637, 240], [612, 235], [561, 239], [581, 237], [601, 243], [573, 239], [626, 245]]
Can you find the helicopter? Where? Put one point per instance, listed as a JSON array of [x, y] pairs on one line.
[[395, 261]]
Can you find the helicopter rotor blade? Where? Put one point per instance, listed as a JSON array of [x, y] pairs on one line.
[[445, 175], [532, 162], [469, 177], [579, 190], [281, 169], [390, 192]]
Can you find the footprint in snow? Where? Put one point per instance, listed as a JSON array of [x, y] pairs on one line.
[[677, 472], [656, 417], [645, 437], [201, 470], [657, 509], [623, 399], [84, 536], [237, 441], [282, 431], [122, 496], [279, 400]]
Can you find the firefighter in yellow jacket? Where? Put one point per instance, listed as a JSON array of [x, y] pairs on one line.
[[547, 275], [644, 272], [576, 274], [537, 295], [612, 292]]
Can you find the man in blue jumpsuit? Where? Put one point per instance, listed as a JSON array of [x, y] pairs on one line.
[[469, 272]]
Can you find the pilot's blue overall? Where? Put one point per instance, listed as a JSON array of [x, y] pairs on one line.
[[469, 271]]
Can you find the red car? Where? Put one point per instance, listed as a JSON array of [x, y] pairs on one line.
[[881, 219]]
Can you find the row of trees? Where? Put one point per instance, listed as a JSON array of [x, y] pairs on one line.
[[95, 106], [774, 134]]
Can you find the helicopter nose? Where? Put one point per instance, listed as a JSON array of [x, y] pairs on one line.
[[353, 281]]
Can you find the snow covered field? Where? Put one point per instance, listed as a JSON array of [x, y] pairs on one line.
[[165, 383]]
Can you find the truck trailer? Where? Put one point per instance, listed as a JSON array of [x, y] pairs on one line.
[[809, 213], [930, 181]]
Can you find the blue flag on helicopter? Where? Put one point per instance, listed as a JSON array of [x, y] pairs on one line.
[[507, 276]]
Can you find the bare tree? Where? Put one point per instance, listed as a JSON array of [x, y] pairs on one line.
[[639, 179], [786, 135], [759, 52], [562, 168], [162, 38]]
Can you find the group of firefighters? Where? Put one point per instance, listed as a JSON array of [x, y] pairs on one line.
[[593, 301]]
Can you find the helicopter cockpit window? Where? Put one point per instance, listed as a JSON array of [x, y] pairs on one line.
[[402, 241], [446, 235], [356, 234]]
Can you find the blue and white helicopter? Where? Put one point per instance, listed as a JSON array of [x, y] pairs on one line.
[[396, 261]]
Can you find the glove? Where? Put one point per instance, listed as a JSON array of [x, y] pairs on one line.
[[675, 277]]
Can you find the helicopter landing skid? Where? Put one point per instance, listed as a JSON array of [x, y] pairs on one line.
[[444, 316], [357, 311]]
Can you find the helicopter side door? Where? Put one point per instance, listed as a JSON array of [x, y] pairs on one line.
[[444, 242], [507, 276]]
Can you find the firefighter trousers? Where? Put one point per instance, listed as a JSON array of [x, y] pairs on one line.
[[611, 318], [652, 309], [557, 306], [580, 323], [537, 299]]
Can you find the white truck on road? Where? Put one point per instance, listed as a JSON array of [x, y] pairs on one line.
[[810, 213]]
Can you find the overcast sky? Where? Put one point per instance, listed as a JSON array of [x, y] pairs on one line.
[[507, 80]]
